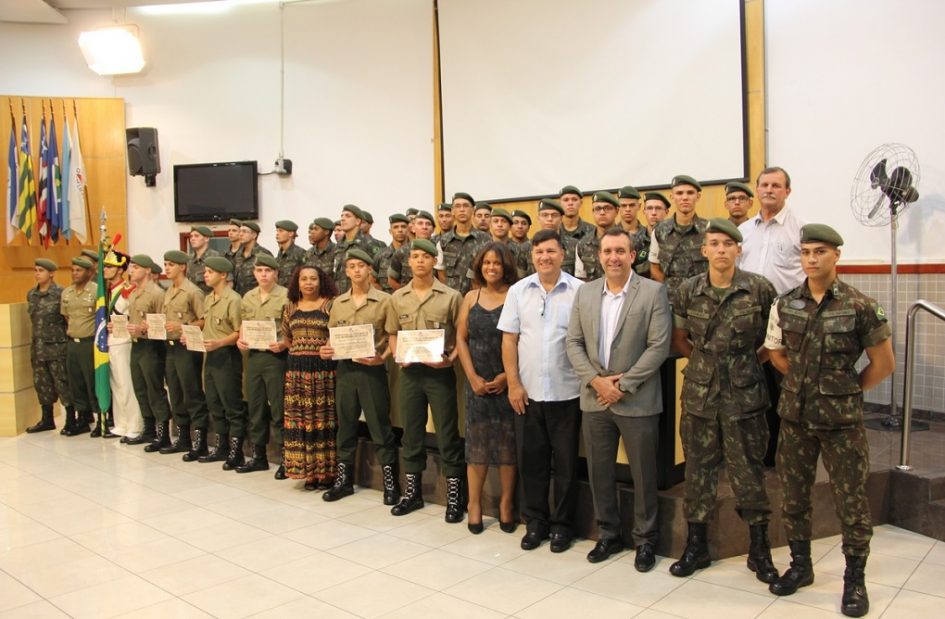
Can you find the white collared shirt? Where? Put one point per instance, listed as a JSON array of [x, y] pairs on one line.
[[773, 248], [610, 306]]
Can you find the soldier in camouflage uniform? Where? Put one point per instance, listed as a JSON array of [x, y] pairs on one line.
[[398, 232], [399, 273], [676, 246], [816, 334], [550, 213], [290, 255], [521, 224], [738, 199], [351, 218], [322, 250], [444, 219], [571, 224], [245, 259], [233, 234], [629, 199], [48, 345], [482, 217], [500, 224], [719, 320], [366, 225], [587, 262], [458, 247], [200, 250]]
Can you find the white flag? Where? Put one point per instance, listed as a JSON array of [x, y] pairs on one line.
[[78, 225], [66, 162]]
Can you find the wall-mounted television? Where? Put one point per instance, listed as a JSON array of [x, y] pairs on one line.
[[216, 191]]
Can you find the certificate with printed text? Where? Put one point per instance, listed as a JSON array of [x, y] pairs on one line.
[[259, 334], [420, 346], [119, 327], [353, 342], [194, 336], [156, 326]]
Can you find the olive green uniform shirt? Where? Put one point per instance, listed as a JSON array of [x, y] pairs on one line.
[[183, 305], [79, 309], [254, 307], [377, 310], [438, 310], [144, 300], [222, 315]]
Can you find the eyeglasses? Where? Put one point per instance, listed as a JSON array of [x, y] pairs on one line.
[[737, 199], [601, 209]]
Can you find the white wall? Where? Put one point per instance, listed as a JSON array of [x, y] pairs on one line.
[[845, 76]]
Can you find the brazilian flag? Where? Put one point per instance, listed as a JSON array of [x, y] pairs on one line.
[[103, 390]]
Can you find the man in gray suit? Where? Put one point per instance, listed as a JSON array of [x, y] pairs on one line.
[[618, 338]]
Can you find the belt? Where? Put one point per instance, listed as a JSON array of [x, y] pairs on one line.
[[78, 340]]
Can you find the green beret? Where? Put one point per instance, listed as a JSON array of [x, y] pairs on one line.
[[501, 212], [682, 179], [570, 189], [366, 216], [336, 224], [265, 260], [605, 196], [628, 191], [235, 222], [462, 195], [359, 254], [424, 245], [736, 186], [655, 195], [91, 254], [43, 263], [725, 227], [288, 225], [425, 215], [523, 215], [82, 262], [252, 225], [142, 260], [398, 218], [821, 233], [412, 212], [354, 210], [218, 264], [445, 206], [324, 223], [548, 203], [203, 230], [176, 256], [156, 268], [483, 206]]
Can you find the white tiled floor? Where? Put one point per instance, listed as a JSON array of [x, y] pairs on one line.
[[92, 528]]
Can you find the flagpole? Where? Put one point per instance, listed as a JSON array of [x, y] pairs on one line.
[[85, 187]]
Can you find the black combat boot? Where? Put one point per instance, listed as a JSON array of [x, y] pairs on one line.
[[147, 434], [855, 602], [344, 484], [69, 426], [219, 451], [181, 444], [162, 437], [801, 572], [280, 472], [391, 484], [235, 457], [696, 555], [198, 447], [413, 497], [46, 422], [101, 429], [259, 461], [454, 500], [80, 424], [759, 554]]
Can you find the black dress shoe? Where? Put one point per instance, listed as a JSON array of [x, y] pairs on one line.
[[604, 549], [508, 527], [560, 542], [280, 472], [646, 557], [474, 527], [533, 540]]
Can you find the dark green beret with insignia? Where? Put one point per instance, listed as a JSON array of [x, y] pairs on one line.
[[445, 206], [725, 227], [218, 264], [570, 189], [682, 179], [367, 216], [462, 195], [203, 230], [605, 196], [358, 254], [734, 186], [354, 210], [655, 195], [265, 260], [252, 225], [91, 254], [287, 225], [424, 245], [412, 212], [483, 206], [142, 260], [821, 233], [425, 215], [524, 215], [398, 218], [176, 256], [323, 223], [548, 203], [82, 262], [628, 191], [44, 263], [501, 212]]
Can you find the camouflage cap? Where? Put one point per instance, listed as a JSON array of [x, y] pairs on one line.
[[142, 260], [288, 225], [445, 206], [605, 196], [683, 179], [821, 233], [176, 256], [725, 227], [628, 191], [398, 218], [358, 254], [203, 230], [366, 216], [252, 225], [45, 263], [501, 212], [655, 195], [91, 254], [218, 264], [265, 260], [324, 223], [523, 214], [424, 245], [425, 215], [462, 195], [82, 262], [734, 186], [570, 189], [354, 210], [483, 206], [551, 204]]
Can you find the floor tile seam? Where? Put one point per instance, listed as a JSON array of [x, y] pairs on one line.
[[577, 585], [596, 567], [25, 586], [312, 594], [429, 592], [904, 587]]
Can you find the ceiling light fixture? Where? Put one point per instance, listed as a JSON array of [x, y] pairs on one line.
[[112, 51]]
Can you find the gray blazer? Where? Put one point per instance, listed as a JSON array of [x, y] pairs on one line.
[[640, 345]]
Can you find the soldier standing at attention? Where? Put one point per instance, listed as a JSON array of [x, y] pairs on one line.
[[521, 224], [738, 198], [816, 334], [676, 246], [148, 357], [398, 235], [351, 218], [655, 209], [481, 216], [444, 219], [200, 250], [719, 320], [367, 223], [265, 369], [322, 251], [338, 233], [572, 225], [183, 305], [48, 345], [459, 246], [233, 234], [587, 264], [290, 255], [500, 224], [398, 272], [77, 305], [243, 279], [629, 199], [223, 368]]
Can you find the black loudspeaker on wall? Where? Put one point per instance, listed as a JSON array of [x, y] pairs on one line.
[[143, 156]]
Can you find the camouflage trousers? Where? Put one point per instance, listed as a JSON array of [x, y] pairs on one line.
[[845, 454], [737, 441], [50, 381]]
